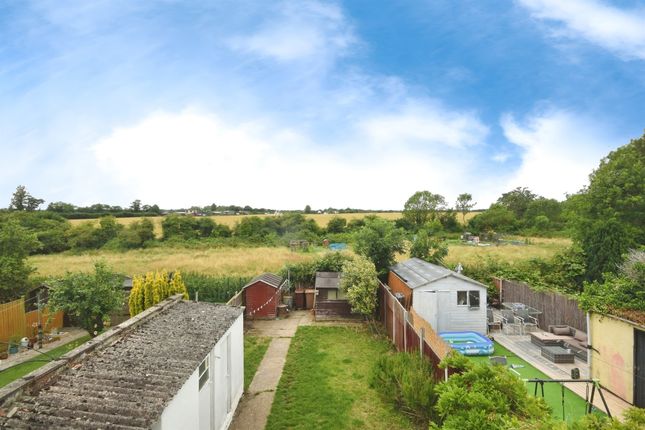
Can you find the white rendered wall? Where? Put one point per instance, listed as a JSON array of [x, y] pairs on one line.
[[440, 308], [223, 416], [183, 411]]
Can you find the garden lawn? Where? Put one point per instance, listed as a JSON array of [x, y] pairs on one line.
[[254, 349], [325, 382], [19, 370], [574, 404]]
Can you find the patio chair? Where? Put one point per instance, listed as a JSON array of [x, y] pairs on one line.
[[529, 323], [511, 324]]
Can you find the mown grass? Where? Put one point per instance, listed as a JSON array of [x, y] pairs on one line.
[[574, 404], [211, 261], [18, 371], [254, 349], [325, 385]]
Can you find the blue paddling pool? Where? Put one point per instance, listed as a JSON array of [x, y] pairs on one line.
[[468, 342]]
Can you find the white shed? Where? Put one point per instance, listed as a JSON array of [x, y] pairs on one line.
[[177, 365], [448, 300]]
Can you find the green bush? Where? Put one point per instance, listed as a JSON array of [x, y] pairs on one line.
[[406, 381], [486, 397]]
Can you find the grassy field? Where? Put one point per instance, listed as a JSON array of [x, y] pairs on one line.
[[536, 248], [242, 261], [18, 371], [574, 404], [212, 261], [231, 220], [325, 385], [254, 349]]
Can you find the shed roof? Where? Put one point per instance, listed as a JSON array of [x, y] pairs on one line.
[[416, 273], [327, 280], [268, 278], [127, 382]]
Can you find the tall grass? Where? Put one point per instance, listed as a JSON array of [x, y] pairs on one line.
[[215, 289], [245, 261], [236, 262]]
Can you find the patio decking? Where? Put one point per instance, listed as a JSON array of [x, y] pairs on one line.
[[521, 346]]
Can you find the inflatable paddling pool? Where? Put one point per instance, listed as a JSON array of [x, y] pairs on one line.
[[468, 342]]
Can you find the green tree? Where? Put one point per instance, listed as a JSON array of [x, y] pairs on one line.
[[360, 283], [136, 234], [428, 248], [610, 210], [496, 218], [23, 201], [307, 209], [16, 243], [61, 207], [135, 206], [89, 298], [464, 204], [423, 205], [379, 241], [108, 229], [336, 225], [517, 200]]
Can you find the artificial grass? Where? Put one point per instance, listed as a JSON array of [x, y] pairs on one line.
[[325, 382], [19, 370], [574, 404], [254, 349]]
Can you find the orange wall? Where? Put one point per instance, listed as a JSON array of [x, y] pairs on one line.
[[397, 285]]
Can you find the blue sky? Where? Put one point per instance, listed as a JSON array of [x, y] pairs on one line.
[[334, 103]]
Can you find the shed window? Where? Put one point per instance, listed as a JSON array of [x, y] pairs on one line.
[[203, 372], [473, 299], [462, 298]]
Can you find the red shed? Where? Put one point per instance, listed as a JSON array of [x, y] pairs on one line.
[[262, 296]]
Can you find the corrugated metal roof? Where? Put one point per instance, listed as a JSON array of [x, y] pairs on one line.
[[330, 280], [417, 272], [268, 278], [127, 384]]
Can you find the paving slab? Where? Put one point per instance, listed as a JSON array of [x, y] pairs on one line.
[[268, 374], [255, 407]]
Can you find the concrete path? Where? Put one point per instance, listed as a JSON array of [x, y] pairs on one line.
[[255, 407]]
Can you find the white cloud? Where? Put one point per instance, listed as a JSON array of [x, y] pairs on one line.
[[194, 157], [617, 30], [307, 30], [426, 124], [560, 150]]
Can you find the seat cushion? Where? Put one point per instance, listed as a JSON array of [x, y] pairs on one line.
[[560, 331], [580, 335]]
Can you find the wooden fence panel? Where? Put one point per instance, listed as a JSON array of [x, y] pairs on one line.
[[12, 320], [405, 336], [556, 308], [237, 299], [48, 320], [412, 339]]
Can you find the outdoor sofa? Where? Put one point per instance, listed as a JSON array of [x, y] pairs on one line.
[[571, 338]]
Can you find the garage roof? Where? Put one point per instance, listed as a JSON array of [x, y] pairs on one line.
[[124, 378]]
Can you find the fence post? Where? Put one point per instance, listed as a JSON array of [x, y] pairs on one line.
[[422, 336], [393, 323], [405, 330]]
